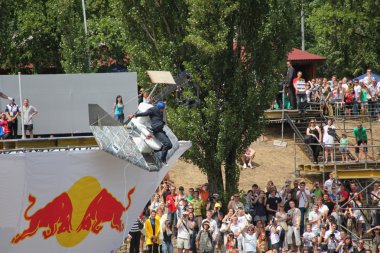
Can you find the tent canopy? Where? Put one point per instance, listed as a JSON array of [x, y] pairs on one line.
[[376, 76]]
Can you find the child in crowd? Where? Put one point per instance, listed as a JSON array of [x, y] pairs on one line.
[[343, 147]]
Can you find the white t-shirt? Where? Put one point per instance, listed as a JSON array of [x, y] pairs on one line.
[[323, 209], [312, 217], [329, 184], [357, 90], [275, 238], [308, 237], [302, 198], [27, 114], [250, 242], [333, 244], [183, 232]]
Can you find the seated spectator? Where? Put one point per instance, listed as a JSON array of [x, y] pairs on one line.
[[248, 157], [4, 130]]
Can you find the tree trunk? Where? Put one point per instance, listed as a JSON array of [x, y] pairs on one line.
[[232, 174]]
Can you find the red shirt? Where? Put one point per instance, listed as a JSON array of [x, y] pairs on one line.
[[4, 124], [170, 201], [345, 195]]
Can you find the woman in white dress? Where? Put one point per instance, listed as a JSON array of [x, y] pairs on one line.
[[328, 139]]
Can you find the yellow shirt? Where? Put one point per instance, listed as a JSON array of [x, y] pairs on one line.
[[198, 205]]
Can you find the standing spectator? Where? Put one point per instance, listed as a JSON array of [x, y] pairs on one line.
[[135, 235], [364, 99], [290, 75], [294, 218], [191, 194], [12, 111], [360, 134], [260, 203], [262, 243], [357, 91], [328, 140], [235, 203], [250, 240], [213, 227], [375, 235], [344, 147], [329, 182], [343, 195], [171, 205], [152, 230], [204, 193], [315, 219], [349, 97], [195, 230], [359, 249], [204, 239], [315, 132], [317, 191], [327, 202], [118, 109], [167, 244], [308, 238], [272, 204], [346, 246], [368, 79], [28, 112], [4, 130], [332, 238], [198, 206], [274, 234], [184, 227], [300, 89], [375, 201], [303, 196], [155, 202], [294, 190]]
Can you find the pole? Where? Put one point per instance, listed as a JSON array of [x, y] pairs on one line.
[[295, 153], [302, 27], [21, 105], [362, 190], [84, 16], [283, 112]]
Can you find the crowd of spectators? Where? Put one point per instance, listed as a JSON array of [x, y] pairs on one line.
[[290, 218], [352, 97]]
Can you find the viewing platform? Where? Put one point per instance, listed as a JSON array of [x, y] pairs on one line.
[[53, 143], [351, 170], [276, 115]]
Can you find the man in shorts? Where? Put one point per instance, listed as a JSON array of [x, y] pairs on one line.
[[360, 135], [28, 112]]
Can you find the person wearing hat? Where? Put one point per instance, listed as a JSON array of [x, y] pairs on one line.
[[156, 115], [204, 239]]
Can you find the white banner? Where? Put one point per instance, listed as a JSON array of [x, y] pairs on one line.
[[71, 201]]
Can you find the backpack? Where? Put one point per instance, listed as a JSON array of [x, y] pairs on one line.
[[1, 131]]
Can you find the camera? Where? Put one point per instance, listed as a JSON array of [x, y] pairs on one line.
[[332, 236]]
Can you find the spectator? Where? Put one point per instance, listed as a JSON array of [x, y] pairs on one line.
[[198, 206], [195, 230], [167, 244], [349, 98], [316, 191], [300, 91], [4, 130], [295, 190], [357, 91], [248, 157], [171, 205], [315, 138], [181, 195], [204, 239], [327, 202], [274, 234], [343, 195], [262, 244], [152, 229], [346, 246], [359, 249], [322, 208], [375, 236], [191, 194], [344, 147], [303, 196], [332, 238], [272, 204], [235, 203], [282, 217], [204, 193], [213, 227], [184, 227], [290, 75], [328, 140], [12, 111], [135, 234], [375, 202], [308, 239], [360, 134], [329, 182], [294, 219], [260, 203], [28, 112], [364, 99], [118, 109], [250, 240], [315, 219], [325, 98]]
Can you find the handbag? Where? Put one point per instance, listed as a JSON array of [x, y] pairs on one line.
[[331, 131], [307, 139]]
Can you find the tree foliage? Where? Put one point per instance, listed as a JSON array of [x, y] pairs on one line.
[[347, 33]]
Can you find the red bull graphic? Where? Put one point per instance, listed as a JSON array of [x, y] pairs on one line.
[[104, 208], [55, 216], [72, 215]]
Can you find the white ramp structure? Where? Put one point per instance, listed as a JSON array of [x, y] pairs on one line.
[[78, 201]]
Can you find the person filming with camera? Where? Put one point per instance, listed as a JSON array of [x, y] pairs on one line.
[[185, 230], [332, 238]]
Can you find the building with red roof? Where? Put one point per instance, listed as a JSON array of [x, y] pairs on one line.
[[305, 62]]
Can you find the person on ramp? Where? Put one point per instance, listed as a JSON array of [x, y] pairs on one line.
[[156, 115]]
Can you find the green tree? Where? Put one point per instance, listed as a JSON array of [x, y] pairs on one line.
[[346, 33], [231, 49]]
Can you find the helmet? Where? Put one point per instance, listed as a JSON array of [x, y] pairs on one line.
[[160, 105]]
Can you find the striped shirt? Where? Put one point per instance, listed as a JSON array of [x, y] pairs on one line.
[[135, 227]]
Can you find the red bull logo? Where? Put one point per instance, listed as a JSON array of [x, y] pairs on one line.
[[71, 216]]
